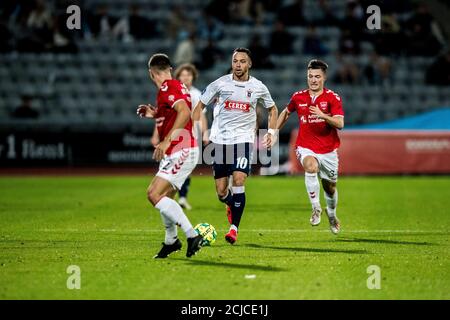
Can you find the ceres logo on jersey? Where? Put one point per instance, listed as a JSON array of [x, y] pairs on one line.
[[171, 98], [235, 105], [323, 104]]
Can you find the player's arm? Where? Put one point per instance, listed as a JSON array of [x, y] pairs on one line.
[[149, 111], [204, 123], [198, 109], [270, 137], [183, 116], [155, 137], [336, 121], [282, 119], [273, 116], [196, 119]]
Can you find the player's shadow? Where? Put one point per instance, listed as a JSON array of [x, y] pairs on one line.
[[383, 241], [300, 249], [230, 265]]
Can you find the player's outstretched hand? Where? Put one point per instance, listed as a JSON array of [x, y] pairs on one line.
[[269, 140], [146, 111], [205, 138], [161, 149]]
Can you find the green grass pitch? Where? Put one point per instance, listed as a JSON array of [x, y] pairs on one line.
[[105, 226]]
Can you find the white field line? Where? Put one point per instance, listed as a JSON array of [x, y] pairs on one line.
[[244, 230]]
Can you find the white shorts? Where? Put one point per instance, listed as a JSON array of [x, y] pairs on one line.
[[177, 166], [328, 162]]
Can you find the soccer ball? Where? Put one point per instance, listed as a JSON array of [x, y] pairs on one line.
[[208, 232]]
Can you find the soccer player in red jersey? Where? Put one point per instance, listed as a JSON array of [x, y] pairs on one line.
[[177, 152], [187, 73], [320, 115]]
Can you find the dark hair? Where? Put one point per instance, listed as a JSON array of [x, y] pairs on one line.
[[245, 50], [318, 64], [188, 67], [159, 61]]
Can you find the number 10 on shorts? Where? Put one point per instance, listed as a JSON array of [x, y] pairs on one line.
[[242, 162]]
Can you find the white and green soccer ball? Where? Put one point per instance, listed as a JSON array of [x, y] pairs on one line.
[[208, 232]]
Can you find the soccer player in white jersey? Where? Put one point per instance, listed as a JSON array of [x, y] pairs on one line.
[[187, 73], [233, 131], [320, 115]]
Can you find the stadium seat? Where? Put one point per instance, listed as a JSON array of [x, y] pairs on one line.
[[112, 75]]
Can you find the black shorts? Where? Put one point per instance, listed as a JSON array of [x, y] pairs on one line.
[[231, 157]]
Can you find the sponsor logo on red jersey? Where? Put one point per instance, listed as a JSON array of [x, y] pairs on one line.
[[235, 105]]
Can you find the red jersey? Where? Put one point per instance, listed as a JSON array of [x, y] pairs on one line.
[[170, 92], [314, 133]]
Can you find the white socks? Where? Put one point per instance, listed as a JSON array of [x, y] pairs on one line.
[[171, 230], [313, 188], [331, 203], [172, 212]]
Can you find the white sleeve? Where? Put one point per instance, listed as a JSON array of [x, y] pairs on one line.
[[195, 96], [266, 99], [211, 92]]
